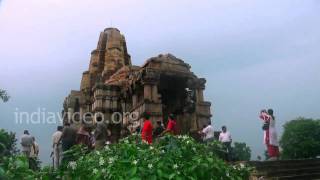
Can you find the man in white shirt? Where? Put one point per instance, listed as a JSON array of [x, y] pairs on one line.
[[57, 147], [26, 143], [225, 138], [208, 133]]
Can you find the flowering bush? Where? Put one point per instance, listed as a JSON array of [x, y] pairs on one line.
[[16, 167], [170, 157]]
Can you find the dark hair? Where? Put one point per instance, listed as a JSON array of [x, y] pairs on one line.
[[171, 116], [263, 110], [59, 128], [209, 122], [146, 115], [25, 132], [270, 112], [224, 127]]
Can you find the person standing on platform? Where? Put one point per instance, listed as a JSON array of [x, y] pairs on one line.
[[159, 129], [208, 133], [34, 153], [172, 126], [225, 138], [57, 147], [146, 133], [272, 144], [68, 137], [26, 142], [100, 135], [84, 137]]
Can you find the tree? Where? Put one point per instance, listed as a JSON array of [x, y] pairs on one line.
[[301, 139], [4, 95], [7, 143], [241, 152]]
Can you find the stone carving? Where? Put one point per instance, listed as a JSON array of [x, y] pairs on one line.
[[162, 85]]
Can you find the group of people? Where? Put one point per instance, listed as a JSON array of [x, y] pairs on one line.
[[207, 134], [148, 133], [270, 138], [65, 137], [30, 148]]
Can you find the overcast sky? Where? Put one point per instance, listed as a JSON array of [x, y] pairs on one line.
[[254, 55]]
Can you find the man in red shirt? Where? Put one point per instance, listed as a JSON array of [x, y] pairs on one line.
[[146, 134], [171, 127]]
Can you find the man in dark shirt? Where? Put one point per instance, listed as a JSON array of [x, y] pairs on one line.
[[68, 137], [159, 129], [100, 135]]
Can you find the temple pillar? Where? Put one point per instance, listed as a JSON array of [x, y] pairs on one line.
[[155, 96], [147, 92], [200, 95], [134, 100], [70, 114]]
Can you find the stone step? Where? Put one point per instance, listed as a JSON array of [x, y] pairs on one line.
[[286, 166], [306, 176], [284, 162], [303, 169], [260, 165], [297, 171]]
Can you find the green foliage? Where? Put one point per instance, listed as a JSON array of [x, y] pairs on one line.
[[241, 152], [7, 143], [4, 95], [169, 158], [301, 139], [217, 148], [16, 167]]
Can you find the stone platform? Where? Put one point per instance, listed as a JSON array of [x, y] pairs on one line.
[[303, 169]]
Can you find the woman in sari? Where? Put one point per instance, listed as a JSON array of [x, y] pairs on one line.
[[270, 134]]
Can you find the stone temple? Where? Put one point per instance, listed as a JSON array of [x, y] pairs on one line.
[[113, 88]]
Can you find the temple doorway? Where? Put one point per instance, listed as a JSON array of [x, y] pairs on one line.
[[173, 90]]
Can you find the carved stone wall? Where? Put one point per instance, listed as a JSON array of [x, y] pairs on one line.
[[163, 84]]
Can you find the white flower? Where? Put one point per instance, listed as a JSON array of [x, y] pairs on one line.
[[162, 151], [150, 166], [95, 171], [103, 170], [185, 137], [175, 166], [108, 142], [97, 152], [135, 162], [126, 141], [107, 148], [228, 175], [72, 165], [111, 160], [241, 165], [101, 161], [151, 148], [194, 149], [188, 142]]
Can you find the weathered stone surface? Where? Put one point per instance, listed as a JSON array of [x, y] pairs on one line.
[[162, 85]]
